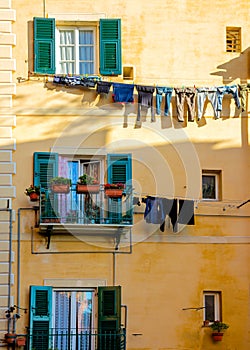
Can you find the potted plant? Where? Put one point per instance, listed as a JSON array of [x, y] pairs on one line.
[[33, 192], [60, 184], [87, 184], [10, 338], [20, 341], [114, 190], [218, 327]]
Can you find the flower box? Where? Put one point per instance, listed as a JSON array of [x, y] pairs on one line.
[[80, 188], [113, 192], [60, 188]]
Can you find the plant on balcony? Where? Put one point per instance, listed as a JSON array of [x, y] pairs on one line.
[[87, 184], [218, 327], [60, 184], [33, 192], [114, 190]]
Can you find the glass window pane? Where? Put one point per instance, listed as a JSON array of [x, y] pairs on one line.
[[86, 68], [66, 68], [67, 37], [86, 37], [209, 308], [86, 53], [67, 53], [209, 186]]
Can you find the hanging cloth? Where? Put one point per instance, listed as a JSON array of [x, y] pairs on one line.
[[145, 100], [186, 212], [154, 213], [103, 87], [123, 92]]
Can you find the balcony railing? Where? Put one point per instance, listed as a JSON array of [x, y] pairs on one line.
[[80, 339], [86, 208]]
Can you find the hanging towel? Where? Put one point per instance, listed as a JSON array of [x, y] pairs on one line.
[[103, 87], [123, 92], [186, 212]]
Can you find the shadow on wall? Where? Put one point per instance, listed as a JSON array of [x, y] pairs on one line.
[[236, 68]]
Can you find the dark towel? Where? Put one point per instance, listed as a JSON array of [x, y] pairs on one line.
[[103, 87], [186, 212]]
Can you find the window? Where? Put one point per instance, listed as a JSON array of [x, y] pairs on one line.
[[233, 43], [212, 303], [81, 209], [73, 50], [66, 318], [76, 50], [211, 182]]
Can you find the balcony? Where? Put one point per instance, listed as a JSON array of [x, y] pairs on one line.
[[77, 339], [93, 212]]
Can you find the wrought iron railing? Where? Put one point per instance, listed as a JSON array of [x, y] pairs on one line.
[[81, 339], [86, 208]]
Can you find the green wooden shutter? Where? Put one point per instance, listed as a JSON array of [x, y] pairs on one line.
[[109, 317], [119, 170], [110, 47], [44, 45], [45, 168], [40, 317]]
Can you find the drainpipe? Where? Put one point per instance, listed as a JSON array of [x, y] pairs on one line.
[[10, 256], [114, 268], [44, 8], [19, 253]]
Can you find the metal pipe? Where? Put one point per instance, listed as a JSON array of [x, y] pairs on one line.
[[44, 8], [114, 269], [19, 253], [10, 257]]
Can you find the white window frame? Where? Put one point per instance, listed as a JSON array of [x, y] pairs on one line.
[[217, 305], [217, 176], [76, 30]]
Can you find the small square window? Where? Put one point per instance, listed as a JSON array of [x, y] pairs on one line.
[[128, 73], [212, 306], [233, 39], [211, 181]]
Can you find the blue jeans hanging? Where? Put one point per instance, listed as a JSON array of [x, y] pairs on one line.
[[159, 95]]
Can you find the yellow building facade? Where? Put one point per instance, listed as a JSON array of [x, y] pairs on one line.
[[153, 95]]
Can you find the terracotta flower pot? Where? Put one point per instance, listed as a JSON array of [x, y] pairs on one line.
[[10, 338], [217, 336], [34, 197], [60, 188], [21, 341], [80, 188], [113, 192]]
